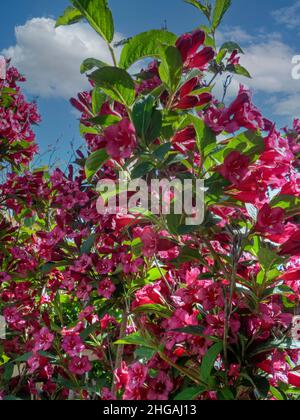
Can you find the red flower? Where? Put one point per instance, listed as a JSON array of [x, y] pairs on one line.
[[80, 365], [235, 167], [106, 288], [189, 44], [294, 379], [241, 113], [270, 220], [43, 340], [73, 345], [292, 246], [120, 139]]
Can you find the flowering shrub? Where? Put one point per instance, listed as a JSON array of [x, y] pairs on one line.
[[140, 306], [17, 140]]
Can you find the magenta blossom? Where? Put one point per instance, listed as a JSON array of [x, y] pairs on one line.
[[121, 139]]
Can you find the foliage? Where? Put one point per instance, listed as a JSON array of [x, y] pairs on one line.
[[137, 306]]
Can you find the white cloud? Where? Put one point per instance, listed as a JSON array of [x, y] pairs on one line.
[[288, 16], [269, 60], [50, 57]]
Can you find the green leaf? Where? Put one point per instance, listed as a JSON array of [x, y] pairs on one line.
[[116, 83], [188, 254], [70, 16], [155, 274], [197, 331], [221, 8], [88, 245], [171, 67], [161, 152], [105, 120], [208, 362], [290, 203], [146, 44], [99, 16], [226, 395], [238, 69], [174, 221], [134, 339], [268, 258], [141, 170], [90, 64], [189, 394], [262, 386], [231, 46], [286, 344], [278, 394], [147, 119], [144, 354], [141, 115], [206, 138], [192, 330], [98, 99], [8, 372], [94, 162], [156, 309], [206, 9]]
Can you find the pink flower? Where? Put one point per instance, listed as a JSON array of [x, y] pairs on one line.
[[43, 340], [121, 139], [36, 362], [241, 113], [106, 288], [73, 345], [150, 241], [80, 365], [82, 264]]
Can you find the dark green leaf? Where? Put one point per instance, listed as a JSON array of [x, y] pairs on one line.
[[88, 245], [144, 354], [156, 309], [190, 394], [262, 386], [208, 362], [105, 120], [94, 162], [141, 170], [171, 67], [147, 120]]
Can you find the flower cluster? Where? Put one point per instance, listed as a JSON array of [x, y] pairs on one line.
[[140, 306], [17, 143]]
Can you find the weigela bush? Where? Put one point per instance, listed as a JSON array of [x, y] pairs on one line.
[[140, 306], [17, 140]]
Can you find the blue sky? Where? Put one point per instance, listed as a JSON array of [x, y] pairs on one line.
[[269, 31]]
